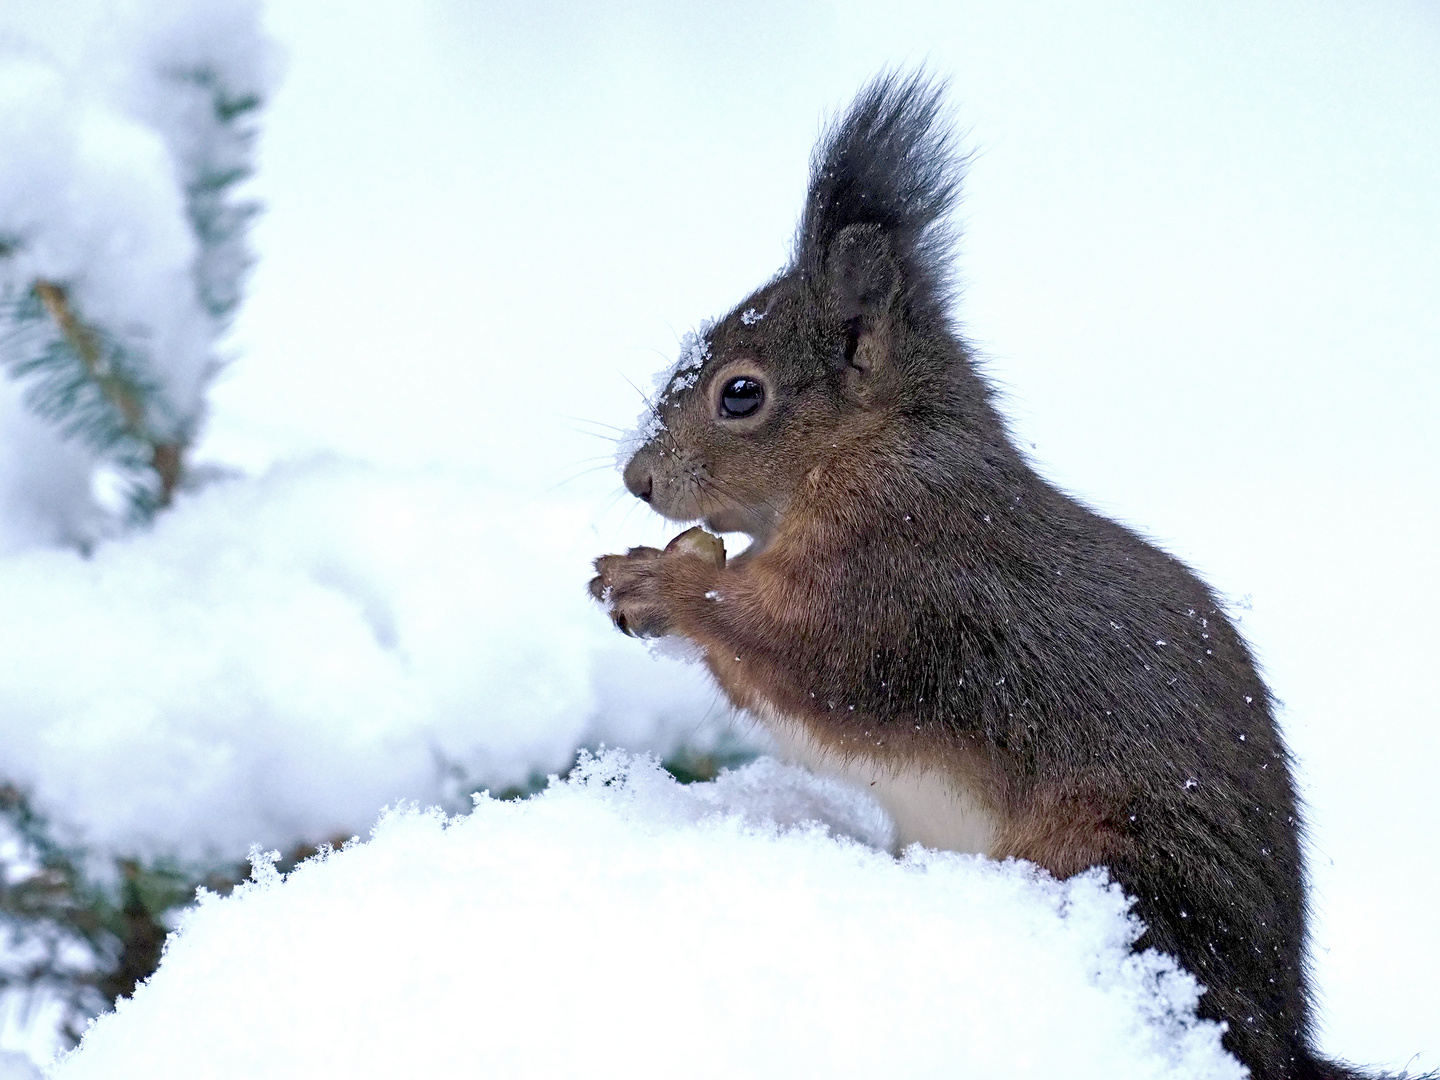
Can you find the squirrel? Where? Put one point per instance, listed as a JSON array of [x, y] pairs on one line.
[[920, 612]]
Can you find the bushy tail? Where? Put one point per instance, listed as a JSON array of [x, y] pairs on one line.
[[1322, 1069]]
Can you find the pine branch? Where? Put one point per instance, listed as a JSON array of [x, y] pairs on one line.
[[69, 937], [166, 457], [96, 382], [87, 347]]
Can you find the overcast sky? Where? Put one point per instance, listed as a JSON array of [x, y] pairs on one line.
[[1201, 257]]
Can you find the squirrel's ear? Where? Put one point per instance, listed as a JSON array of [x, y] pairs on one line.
[[863, 273], [863, 277]]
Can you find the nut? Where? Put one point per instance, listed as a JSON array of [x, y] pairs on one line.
[[701, 544]]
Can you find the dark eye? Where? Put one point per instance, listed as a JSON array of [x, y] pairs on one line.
[[741, 397]]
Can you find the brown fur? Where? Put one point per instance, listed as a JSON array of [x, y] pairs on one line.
[[1061, 830]]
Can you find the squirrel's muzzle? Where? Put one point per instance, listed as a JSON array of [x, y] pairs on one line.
[[639, 479]]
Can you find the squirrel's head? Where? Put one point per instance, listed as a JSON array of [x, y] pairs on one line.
[[846, 340]]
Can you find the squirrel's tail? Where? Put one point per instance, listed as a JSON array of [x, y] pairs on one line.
[[1323, 1069]]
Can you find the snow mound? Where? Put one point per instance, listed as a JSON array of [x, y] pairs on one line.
[[278, 658], [621, 924]]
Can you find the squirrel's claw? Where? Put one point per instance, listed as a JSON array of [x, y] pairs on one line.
[[597, 588]]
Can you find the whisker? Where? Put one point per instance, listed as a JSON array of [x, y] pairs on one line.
[[643, 396], [599, 461], [654, 411], [587, 420], [711, 485], [578, 475], [614, 497], [593, 434], [625, 520], [713, 702]]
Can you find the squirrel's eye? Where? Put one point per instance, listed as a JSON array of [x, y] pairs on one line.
[[741, 397]]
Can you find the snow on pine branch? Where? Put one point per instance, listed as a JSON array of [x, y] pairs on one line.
[[620, 924], [123, 133]]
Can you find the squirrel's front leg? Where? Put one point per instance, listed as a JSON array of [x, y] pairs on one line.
[[646, 589], [737, 615]]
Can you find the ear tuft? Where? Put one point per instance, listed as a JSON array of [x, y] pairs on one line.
[[888, 165]]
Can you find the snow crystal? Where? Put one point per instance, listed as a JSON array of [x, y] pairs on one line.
[[750, 316], [682, 375], [694, 351], [676, 648], [621, 924]]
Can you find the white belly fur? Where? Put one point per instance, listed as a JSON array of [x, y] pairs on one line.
[[928, 806]]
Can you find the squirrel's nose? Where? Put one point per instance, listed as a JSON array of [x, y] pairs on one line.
[[641, 483]]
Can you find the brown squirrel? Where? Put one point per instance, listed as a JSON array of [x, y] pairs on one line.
[[1011, 673]]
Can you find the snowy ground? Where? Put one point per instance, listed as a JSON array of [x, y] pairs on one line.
[[1202, 264], [622, 925]]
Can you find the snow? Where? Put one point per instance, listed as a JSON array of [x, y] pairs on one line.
[[694, 351], [280, 657], [45, 492], [107, 142], [620, 924]]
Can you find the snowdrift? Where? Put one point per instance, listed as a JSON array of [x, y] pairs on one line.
[[621, 924], [278, 658]]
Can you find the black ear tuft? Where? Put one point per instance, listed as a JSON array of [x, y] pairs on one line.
[[888, 164]]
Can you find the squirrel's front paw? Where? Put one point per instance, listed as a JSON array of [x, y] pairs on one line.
[[629, 587]]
